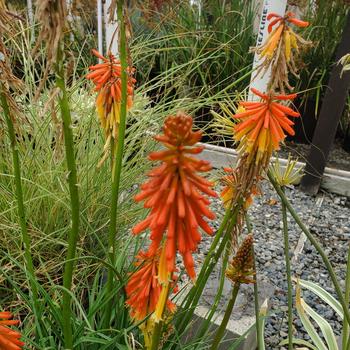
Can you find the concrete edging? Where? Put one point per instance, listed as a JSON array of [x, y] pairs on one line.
[[333, 180]]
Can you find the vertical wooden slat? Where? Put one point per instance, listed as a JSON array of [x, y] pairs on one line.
[[332, 108]]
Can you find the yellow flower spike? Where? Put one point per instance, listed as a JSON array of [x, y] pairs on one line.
[[288, 176]]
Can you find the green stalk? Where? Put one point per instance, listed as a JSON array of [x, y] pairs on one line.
[[205, 325], [20, 202], [289, 276], [314, 242], [117, 165], [345, 333], [258, 323], [74, 202], [157, 331], [221, 330], [209, 263]]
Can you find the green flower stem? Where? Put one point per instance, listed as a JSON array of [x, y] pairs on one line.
[[223, 233], [205, 325], [20, 202], [221, 330], [289, 276], [117, 165], [258, 323], [74, 202], [157, 332], [314, 242], [345, 335]]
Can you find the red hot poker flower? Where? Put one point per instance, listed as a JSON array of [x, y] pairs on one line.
[[9, 339], [289, 17], [264, 123], [144, 288], [107, 78], [174, 193]]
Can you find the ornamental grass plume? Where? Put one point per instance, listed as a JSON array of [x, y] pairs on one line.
[[107, 78], [280, 50], [176, 194], [9, 339]]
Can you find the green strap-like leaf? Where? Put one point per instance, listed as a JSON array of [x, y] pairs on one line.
[[324, 295], [310, 329], [325, 327], [298, 342]]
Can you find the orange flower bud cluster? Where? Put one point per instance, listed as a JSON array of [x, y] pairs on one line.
[[277, 34], [264, 124], [176, 194], [241, 268], [107, 78], [280, 49], [9, 339], [144, 288]]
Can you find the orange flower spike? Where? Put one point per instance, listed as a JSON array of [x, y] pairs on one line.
[[175, 192], [144, 288], [9, 339], [106, 77], [289, 17], [265, 124]]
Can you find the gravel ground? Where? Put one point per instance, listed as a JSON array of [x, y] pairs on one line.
[[328, 218]]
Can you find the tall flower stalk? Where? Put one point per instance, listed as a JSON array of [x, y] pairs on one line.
[[19, 197], [117, 163], [261, 125], [9, 108], [52, 17], [176, 195], [315, 243], [289, 277], [74, 202], [345, 333], [240, 270]]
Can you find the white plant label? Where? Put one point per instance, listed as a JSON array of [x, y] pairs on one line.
[[261, 80], [111, 30]]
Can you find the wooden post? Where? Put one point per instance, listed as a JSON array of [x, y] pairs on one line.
[[331, 111]]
